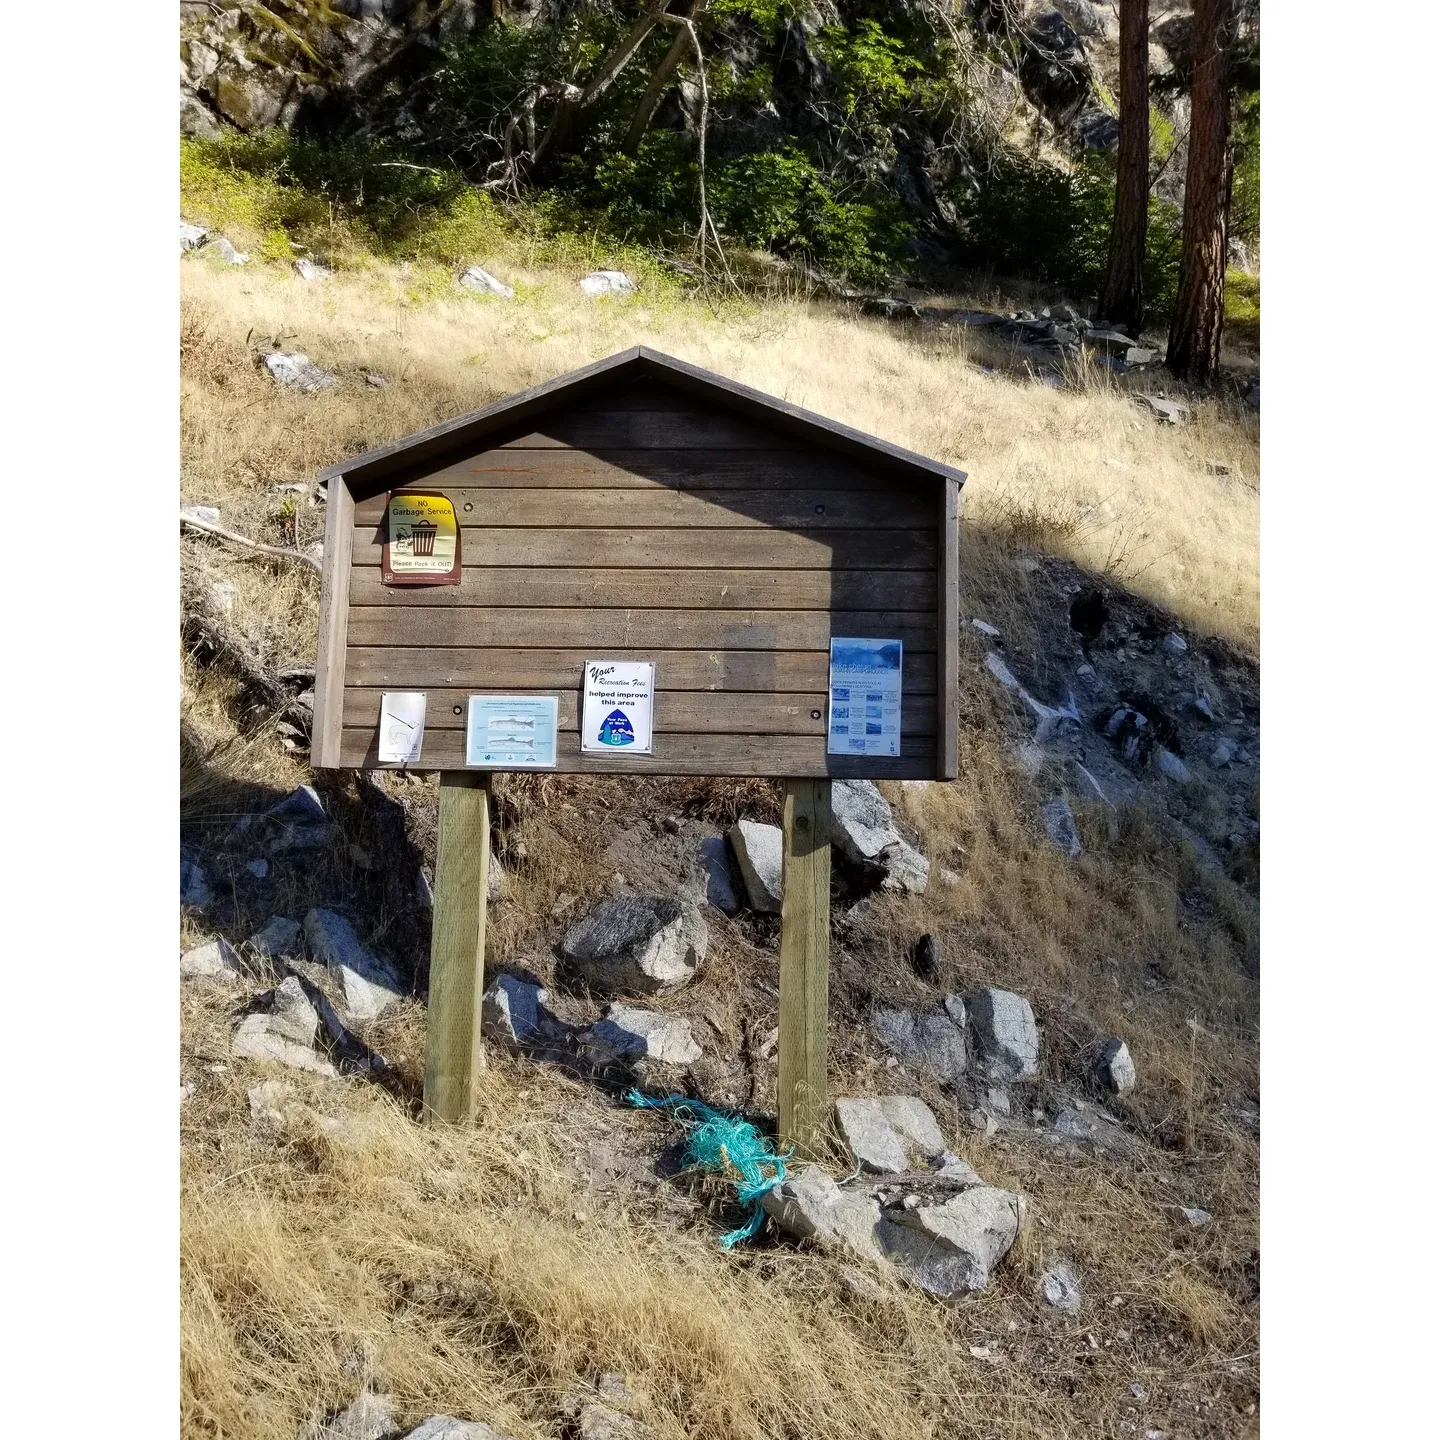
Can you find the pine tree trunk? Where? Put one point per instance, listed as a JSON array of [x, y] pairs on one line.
[[1122, 302], [1194, 351]]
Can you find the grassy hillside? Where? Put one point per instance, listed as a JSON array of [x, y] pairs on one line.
[[492, 1273], [1081, 470]]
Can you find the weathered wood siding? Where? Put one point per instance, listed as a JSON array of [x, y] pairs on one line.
[[635, 525]]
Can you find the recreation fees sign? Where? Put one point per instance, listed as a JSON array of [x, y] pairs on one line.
[[618, 707], [639, 568]]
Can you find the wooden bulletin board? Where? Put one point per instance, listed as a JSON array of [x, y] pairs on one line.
[[642, 510], [645, 509]]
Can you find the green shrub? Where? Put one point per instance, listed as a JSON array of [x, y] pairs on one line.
[[1245, 189], [871, 68], [281, 191], [824, 193], [1024, 216], [778, 199], [1027, 217], [1242, 305], [649, 196]]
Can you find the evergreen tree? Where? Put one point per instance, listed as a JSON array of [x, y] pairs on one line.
[[1122, 301], [1195, 328]]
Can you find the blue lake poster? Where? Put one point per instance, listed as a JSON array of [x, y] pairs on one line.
[[864, 696]]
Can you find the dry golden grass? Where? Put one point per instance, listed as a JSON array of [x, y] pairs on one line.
[[1083, 473], [487, 1273], [460, 1267]]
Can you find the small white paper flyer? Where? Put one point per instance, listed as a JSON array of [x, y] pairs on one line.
[[864, 696], [619, 704], [402, 727], [513, 732]]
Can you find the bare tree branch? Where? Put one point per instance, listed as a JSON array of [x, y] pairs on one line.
[[659, 83], [707, 223], [211, 641], [574, 102]]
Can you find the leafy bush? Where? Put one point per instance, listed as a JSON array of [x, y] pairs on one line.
[[815, 178], [1024, 216], [1242, 305], [1027, 217], [766, 15], [780, 200], [284, 191], [872, 69], [1245, 189], [648, 196], [469, 98]]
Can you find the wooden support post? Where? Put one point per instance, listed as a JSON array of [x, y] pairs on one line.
[[454, 1055], [804, 966]]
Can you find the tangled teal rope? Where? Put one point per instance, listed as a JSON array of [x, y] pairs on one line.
[[719, 1142]]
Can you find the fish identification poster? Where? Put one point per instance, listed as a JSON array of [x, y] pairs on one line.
[[514, 731], [619, 705]]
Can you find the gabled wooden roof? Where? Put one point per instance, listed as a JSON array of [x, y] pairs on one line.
[[471, 431]]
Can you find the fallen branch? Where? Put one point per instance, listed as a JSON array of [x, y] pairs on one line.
[[279, 551]]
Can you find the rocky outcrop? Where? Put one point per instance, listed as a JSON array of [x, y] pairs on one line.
[[1115, 1070], [250, 66], [513, 1013], [370, 985], [934, 1043], [286, 1034], [636, 945], [889, 1134], [946, 1237], [629, 1033], [606, 282], [864, 831], [298, 822], [214, 960], [376, 68], [759, 851], [446, 1427], [367, 1417], [1002, 1025], [1060, 1288], [278, 937], [482, 282], [949, 1249], [293, 371], [717, 878]]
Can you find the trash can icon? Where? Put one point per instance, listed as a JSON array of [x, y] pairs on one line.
[[422, 538]]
